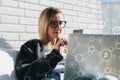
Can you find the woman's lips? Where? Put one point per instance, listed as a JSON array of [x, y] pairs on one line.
[[56, 32]]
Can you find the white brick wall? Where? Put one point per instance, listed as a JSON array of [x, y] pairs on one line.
[[111, 17], [10, 3], [19, 18]]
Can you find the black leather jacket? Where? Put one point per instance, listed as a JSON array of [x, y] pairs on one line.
[[30, 65]]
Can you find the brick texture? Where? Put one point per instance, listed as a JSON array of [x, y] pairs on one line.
[[19, 18]]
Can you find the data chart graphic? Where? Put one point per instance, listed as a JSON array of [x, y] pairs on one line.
[[92, 56]]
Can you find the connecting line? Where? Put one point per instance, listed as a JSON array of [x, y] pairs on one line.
[[74, 76]]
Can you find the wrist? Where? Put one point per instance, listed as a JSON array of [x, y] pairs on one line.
[[56, 49]]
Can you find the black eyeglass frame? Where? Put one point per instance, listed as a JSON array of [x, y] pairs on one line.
[[55, 24]]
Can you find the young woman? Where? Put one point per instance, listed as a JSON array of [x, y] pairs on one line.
[[38, 58]]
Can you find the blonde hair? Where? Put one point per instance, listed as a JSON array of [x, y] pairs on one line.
[[43, 22]]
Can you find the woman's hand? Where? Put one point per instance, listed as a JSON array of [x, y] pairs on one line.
[[61, 42]]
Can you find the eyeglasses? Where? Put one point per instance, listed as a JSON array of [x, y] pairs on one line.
[[55, 24]]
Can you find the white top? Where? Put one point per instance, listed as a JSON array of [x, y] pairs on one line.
[[61, 65]]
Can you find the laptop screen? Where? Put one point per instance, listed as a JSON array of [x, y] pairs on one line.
[[92, 56]]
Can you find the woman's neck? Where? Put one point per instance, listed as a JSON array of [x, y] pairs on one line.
[[51, 44]]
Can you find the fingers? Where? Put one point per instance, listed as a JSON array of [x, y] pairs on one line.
[[62, 41]]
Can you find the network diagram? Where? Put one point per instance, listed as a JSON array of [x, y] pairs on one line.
[[93, 56]]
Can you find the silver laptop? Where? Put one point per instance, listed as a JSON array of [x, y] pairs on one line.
[[91, 56]]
